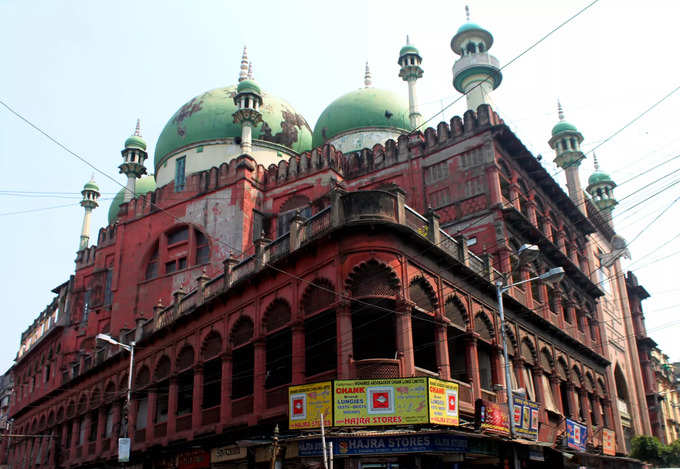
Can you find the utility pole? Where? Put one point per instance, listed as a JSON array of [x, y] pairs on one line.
[[275, 446]]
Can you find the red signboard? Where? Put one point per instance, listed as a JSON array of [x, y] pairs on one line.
[[492, 417], [608, 442], [194, 459]]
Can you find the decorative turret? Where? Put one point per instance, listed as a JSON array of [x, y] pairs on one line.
[[601, 189], [134, 156], [476, 73], [90, 201], [566, 141], [248, 99], [410, 71]]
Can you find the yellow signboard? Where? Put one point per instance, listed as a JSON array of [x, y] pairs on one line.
[[608, 442], [308, 402], [358, 403], [443, 401]]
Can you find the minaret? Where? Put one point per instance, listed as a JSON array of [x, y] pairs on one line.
[[134, 155], [90, 201], [601, 189], [566, 141], [248, 99], [410, 71], [476, 73]]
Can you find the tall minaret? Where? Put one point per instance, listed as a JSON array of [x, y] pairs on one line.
[[566, 141], [476, 73], [601, 189], [248, 99], [410, 71], [90, 201], [134, 155]]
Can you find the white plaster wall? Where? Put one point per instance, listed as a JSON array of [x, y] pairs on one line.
[[363, 139]]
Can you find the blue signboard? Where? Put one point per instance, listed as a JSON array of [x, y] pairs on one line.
[[350, 446], [525, 418], [577, 435]]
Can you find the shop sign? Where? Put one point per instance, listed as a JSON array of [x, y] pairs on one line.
[[577, 435], [525, 418], [377, 445], [227, 453], [491, 417], [608, 442], [308, 402], [194, 459], [164, 461], [443, 402], [123, 449]]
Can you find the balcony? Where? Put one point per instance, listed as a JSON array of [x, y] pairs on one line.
[[468, 62]]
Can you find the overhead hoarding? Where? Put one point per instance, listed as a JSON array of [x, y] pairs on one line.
[[608, 442], [525, 418], [492, 417], [443, 402], [577, 435], [382, 444], [308, 402]]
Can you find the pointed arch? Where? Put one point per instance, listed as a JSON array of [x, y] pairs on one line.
[[242, 331], [82, 403], [372, 278], [143, 377], [420, 292], [484, 326], [576, 376], [276, 315], [95, 398], [620, 381], [50, 418], [510, 335], [528, 351], [562, 369], [318, 295], [212, 345], [455, 311], [185, 358], [109, 391], [162, 369]]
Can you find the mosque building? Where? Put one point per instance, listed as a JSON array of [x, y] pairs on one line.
[[255, 255]]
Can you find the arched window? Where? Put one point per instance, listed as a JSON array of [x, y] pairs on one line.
[[455, 312], [162, 384], [288, 210], [372, 278], [563, 374], [178, 248], [243, 358], [320, 327], [423, 295], [528, 354], [185, 380], [278, 344], [212, 371], [484, 327]]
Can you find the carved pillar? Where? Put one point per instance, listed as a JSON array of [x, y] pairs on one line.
[[225, 399], [405, 337], [298, 359], [442, 351], [196, 397], [75, 436], [597, 413], [608, 413], [152, 398], [101, 428], [494, 185], [260, 371], [557, 395], [345, 341], [571, 395], [472, 364], [585, 406], [132, 420], [173, 390]]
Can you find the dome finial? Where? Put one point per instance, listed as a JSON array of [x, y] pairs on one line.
[[595, 162], [408, 40], [560, 111], [138, 130], [467, 13], [250, 70], [368, 82], [244, 65]]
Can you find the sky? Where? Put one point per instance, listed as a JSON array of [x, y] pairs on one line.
[[84, 71]]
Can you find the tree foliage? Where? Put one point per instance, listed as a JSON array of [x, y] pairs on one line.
[[651, 450]]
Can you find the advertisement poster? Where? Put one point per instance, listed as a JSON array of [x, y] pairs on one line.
[[525, 417], [443, 398], [377, 445], [306, 404], [380, 402], [608, 442], [577, 435], [492, 417]]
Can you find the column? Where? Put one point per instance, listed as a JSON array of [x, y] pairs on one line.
[[442, 351], [75, 434], [259, 372], [472, 364], [152, 398], [225, 400], [173, 390], [557, 395], [196, 397], [101, 426], [494, 184], [132, 420], [298, 359], [405, 337], [585, 405], [345, 343], [597, 412], [571, 395], [115, 427]]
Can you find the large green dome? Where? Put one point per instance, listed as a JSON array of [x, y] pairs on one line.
[[143, 185], [365, 107], [209, 117]]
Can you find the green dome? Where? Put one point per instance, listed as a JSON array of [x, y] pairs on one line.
[[209, 117], [563, 126], [143, 185], [469, 27], [599, 177], [408, 49], [91, 186], [365, 107], [135, 141], [246, 86]]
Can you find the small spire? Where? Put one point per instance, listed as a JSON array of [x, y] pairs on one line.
[[250, 70], [597, 164], [367, 77], [560, 111], [467, 13], [408, 41], [92, 177], [244, 65], [138, 130]]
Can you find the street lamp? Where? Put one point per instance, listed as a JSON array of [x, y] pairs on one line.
[[130, 348], [526, 253]]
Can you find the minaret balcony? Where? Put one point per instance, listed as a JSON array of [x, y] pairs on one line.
[[411, 72], [136, 169], [247, 115], [473, 64]]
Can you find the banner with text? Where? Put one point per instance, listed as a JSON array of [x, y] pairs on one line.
[[577, 435], [443, 402], [308, 402], [492, 417], [608, 442], [525, 418]]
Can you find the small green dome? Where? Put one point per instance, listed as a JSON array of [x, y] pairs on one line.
[[365, 107], [135, 141], [469, 27], [91, 186], [143, 185], [598, 177], [563, 126], [209, 116], [408, 49], [248, 86]]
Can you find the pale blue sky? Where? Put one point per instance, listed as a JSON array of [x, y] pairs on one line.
[[84, 71]]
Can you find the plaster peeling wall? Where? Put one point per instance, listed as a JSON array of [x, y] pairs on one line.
[[213, 156], [363, 139]]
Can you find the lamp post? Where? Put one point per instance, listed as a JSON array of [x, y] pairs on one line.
[[130, 348], [527, 253]]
